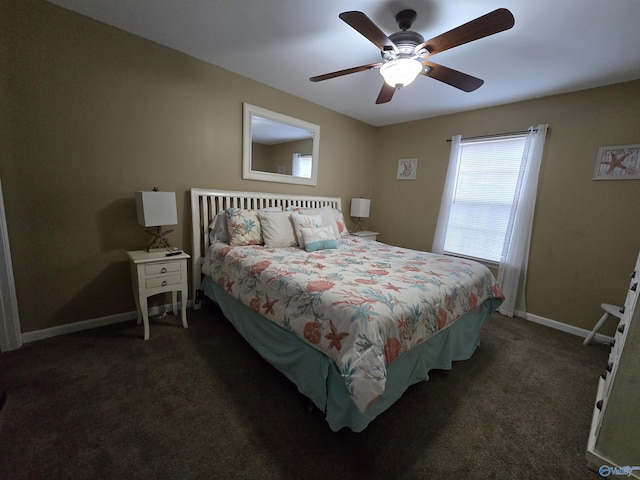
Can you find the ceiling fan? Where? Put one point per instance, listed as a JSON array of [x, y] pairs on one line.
[[404, 52]]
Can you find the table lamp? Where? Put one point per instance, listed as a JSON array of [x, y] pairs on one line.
[[360, 209], [156, 209]]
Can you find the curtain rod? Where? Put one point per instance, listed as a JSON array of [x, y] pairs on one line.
[[506, 134]]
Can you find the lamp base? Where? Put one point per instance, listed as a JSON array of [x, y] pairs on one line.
[[158, 242]]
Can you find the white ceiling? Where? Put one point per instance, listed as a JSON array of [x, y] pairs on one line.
[[556, 46]]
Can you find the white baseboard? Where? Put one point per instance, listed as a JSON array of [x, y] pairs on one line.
[[92, 323], [547, 322], [123, 317]]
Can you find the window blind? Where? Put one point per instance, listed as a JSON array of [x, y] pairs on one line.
[[486, 182]]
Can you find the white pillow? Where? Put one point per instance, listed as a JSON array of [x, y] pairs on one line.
[[328, 217], [306, 221], [218, 229], [277, 230]]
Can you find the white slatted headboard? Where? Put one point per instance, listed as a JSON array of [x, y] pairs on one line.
[[206, 203]]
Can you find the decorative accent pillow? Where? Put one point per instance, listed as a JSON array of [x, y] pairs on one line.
[[244, 227], [342, 226], [277, 230], [328, 218], [304, 221], [320, 238], [218, 230]]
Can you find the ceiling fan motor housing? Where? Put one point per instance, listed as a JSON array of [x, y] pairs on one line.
[[406, 41]]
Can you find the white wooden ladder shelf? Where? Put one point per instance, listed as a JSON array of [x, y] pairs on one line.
[[609, 309]]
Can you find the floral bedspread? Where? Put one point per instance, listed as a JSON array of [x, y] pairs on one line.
[[362, 304]]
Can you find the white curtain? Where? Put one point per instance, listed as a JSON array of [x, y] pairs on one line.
[[515, 254], [447, 195]]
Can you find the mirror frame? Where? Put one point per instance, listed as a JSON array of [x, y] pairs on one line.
[[249, 174]]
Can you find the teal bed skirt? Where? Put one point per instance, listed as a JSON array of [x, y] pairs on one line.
[[317, 377]]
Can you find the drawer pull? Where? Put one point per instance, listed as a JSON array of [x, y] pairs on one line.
[[634, 287], [610, 367], [604, 375], [612, 343], [599, 405], [633, 275], [164, 283], [621, 328], [622, 309], [164, 270]]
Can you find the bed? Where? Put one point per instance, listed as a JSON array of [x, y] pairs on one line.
[[352, 322]]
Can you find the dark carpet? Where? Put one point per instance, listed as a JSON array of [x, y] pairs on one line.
[[200, 403]]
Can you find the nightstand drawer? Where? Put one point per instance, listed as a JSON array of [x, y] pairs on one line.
[[160, 268], [156, 282]]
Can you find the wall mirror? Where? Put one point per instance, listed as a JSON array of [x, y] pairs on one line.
[[279, 148]]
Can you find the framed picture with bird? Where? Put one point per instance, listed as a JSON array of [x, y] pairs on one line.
[[618, 162]]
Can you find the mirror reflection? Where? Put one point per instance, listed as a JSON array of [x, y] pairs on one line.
[[278, 148]]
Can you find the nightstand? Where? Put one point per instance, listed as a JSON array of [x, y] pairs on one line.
[[366, 234], [153, 273]]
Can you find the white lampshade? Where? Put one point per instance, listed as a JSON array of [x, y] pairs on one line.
[[156, 208], [400, 72], [360, 207]]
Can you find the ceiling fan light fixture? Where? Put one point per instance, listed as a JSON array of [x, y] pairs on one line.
[[400, 72]]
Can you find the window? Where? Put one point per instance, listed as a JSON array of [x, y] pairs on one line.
[[302, 165], [488, 203], [482, 200]]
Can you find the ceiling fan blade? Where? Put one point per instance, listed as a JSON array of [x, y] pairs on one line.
[[363, 24], [452, 77], [347, 71], [386, 94], [493, 22]]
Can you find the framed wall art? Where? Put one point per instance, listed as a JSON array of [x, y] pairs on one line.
[[407, 168], [618, 162]]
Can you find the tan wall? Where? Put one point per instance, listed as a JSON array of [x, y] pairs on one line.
[[260, 157], [586, 233], [93, 115]]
